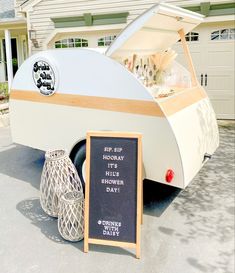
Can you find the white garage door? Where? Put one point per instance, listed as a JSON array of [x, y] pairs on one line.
[[212, 48]]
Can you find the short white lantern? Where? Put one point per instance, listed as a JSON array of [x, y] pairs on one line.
[[71, 216]]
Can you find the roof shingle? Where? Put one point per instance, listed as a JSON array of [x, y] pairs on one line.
[[7, 9]]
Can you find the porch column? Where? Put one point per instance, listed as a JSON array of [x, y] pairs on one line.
[[9, 58]]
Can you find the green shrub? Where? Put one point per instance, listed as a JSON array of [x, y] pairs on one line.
[[4, 89]]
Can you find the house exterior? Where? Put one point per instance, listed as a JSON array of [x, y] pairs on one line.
[[29, 26], [13, 40]]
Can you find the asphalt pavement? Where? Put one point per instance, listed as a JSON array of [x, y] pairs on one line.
[[190, 231]]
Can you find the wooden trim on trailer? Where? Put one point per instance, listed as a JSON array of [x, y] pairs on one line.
[[162, 107], [148, 108], [183, 100]]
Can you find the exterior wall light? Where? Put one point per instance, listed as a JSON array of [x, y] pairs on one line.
[[32, 37]]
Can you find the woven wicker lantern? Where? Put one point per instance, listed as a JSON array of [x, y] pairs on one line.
[[59, 176], [71, 216]]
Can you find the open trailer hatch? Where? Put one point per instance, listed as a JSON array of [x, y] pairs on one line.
[[154, 30]]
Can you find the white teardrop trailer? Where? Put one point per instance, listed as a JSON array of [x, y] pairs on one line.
[[59, 95]]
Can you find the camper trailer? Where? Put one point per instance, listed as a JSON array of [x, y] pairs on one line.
[[135, 86]]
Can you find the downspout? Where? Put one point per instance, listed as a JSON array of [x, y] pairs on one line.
[[28, 28]]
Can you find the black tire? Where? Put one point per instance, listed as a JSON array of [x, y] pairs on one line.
[[78, 161]]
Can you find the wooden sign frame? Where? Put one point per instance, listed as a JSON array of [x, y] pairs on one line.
[[139, 192]]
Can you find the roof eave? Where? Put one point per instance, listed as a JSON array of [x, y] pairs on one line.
[[13, 21], [28, 4]]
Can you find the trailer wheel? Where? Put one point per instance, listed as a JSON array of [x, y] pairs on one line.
[[79, 163]]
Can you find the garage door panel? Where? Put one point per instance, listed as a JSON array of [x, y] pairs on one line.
[[224, 108], [219, 59], [195, 53], [220, 82], [222, 45], [196, 56], [215, 95], [220, 70]]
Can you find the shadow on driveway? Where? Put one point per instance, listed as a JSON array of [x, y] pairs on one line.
[[25, 164], [22, 163], [31, 209], [158, 197]]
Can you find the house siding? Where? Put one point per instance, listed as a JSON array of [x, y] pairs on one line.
[[40, 16]]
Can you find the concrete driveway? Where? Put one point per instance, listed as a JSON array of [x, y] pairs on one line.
[[186, 231]]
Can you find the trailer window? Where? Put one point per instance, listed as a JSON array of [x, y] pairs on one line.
[[71, 42]]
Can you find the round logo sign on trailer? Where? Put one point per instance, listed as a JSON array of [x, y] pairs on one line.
[[44, 77]]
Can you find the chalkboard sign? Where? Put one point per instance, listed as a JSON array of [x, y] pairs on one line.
[[113, 190]]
